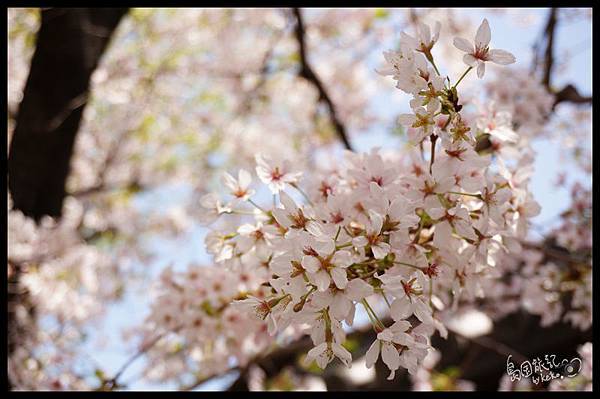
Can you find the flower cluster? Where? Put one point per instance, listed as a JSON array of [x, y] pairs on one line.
[[52, 271], [560, 286], [552, 279], [190, 318], [419, 234], [406, 239]]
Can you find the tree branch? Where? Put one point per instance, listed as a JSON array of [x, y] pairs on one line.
[[69, 45], [549, 53], [112, 383], [307, 72], [569, 93]]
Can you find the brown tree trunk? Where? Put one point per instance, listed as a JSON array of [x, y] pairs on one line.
[[69, 45]]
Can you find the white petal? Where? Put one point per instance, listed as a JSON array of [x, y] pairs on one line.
[[322, 280], [465, 230], [436, 213], [444, 184], [315, 228], [390, 356], [380, 250], [385, 335], [359, 241], [424, 33], [376, 221], [463, 45], [392, 375], [480, 69], [339, 277], [400, 326], [406, 119], [442, 236], [441, 328], [340, 306], [483, 36], [350, 317], [505, 133], [400, 309], [321, 300], [403, 339], [287, 202], [423, 312], [325, 246], [229, 181], [409, 40], [470, 60], [342, 354], [244, 178], [436, 31], [342, 259], [310, 263], [358, 289], [501, 57], [372, 354], [246, 229], [281, 265], [315, 352], [317, 333], [281, 217], [532, 208]]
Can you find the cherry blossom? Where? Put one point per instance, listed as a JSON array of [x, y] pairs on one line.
[[479, 53]]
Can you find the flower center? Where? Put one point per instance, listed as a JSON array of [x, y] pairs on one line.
[[378, 180], [276, 174], [481, 53], [325, 189], [239, 193], [337, 217], [432, 270]]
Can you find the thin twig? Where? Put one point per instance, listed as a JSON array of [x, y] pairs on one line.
[[113, 381], [549, 53], [569, 92], [307, 72]]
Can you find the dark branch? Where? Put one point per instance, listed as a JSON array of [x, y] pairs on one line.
[[113, 383], [309, 74], [549, 54], [569, 93], [69, 45]]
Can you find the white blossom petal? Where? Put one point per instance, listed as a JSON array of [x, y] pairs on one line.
[[480, 69], [501, 57], [339, 277], [372, 354], [390, 356], [464, 45], [484, 35]]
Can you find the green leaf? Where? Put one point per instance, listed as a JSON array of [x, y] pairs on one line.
[[99, 374], [381, 13]]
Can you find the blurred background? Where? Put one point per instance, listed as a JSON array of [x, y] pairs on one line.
[[119, 120]]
